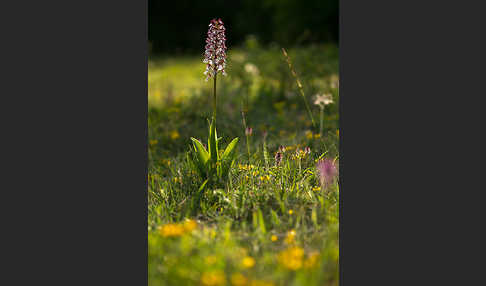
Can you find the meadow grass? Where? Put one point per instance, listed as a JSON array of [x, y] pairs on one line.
[[270, 224]]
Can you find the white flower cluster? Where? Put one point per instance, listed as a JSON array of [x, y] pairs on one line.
[[215, 54], [323, 99]]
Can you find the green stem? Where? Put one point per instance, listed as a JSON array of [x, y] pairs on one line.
[[322, 121], [214, 98], [308, 109], [248, 147]]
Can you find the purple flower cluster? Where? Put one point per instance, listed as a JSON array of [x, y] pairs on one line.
[[215, 54], [327, 171]]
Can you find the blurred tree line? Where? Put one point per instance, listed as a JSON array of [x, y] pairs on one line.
[[181, 25]]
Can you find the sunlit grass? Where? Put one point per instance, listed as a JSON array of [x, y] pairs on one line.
[[271, 224], [180, 77]]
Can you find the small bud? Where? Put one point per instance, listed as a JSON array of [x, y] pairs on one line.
[[248, 131]]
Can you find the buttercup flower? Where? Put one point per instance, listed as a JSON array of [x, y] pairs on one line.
[[238, 279], [292, 258], [215, 54], [248, 262], [213, 278], [190, 225], [171, 230], [174, 135]]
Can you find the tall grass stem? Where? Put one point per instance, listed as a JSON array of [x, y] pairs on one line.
[[301, 90]]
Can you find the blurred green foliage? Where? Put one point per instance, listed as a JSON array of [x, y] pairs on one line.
[[181, 26]]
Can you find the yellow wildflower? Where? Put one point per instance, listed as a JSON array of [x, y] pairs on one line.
[[153, 142], [290, 237], [291, 258], [291, 212], [238, 279], [213, 278], [274, 238], [177, 180], [261, 283], [174, 135], [315, 189], [190, 225], [255, 173], [337, 133], [171, 229], [309, 134], [317, 136], [265, 178], [248, 262], [245, 167]]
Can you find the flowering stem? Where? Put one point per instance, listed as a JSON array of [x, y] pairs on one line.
[[214, 98]]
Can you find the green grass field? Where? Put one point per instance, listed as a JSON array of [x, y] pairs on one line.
[[269, 223]]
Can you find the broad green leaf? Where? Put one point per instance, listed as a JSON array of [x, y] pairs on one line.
[[228, 157], [275, 219], [261, 222], [255, 220], [201, 155], [230, 149], [212, 143]]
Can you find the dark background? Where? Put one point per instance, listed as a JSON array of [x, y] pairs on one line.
[[181, 26]]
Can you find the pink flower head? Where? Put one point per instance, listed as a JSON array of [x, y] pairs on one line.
[[215, 54], [327, 171]]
